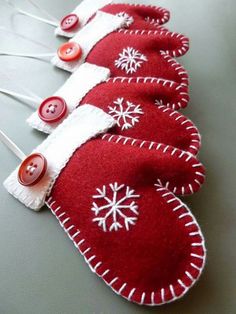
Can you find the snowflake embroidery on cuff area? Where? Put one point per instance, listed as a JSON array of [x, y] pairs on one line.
[[125, 113], [130, 60], [116, 211], [128, 19]]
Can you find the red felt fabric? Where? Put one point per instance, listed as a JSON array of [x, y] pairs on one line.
[[143, 16], [146, 38], [157, 254], [155, 122], [162, 253], [152, 51]]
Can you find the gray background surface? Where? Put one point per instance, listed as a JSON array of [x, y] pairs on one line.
[[40, 270]]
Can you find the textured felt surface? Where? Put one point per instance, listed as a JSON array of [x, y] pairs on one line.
[[154, 46], [141, 108], [34, 249], [155, 258], [137, 53], [132, 52], [139, 16]]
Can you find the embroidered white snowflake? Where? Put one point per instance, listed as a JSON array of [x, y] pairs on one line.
[[130, 60], [128, 19], [116, 211], [125, 113]]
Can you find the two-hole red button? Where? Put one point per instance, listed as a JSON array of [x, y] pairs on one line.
[[52, 109], [69, 22], [70, 51], [32, 169]]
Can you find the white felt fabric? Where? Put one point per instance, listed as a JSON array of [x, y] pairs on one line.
[[84, 11], [73, 91], [102, 25], [83, 124]]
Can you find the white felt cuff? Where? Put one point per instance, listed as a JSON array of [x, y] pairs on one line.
[[102, 25], [84, 11], [83, 124], [73, 91]]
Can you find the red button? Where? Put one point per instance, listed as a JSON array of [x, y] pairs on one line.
[[52, 109], [70, 51], [32, 169], [69, 22]]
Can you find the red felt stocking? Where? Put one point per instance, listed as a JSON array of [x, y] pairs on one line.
[[134, 234], [137, 16], [125, 52], [113, 196], [141, 110], [142, 107]]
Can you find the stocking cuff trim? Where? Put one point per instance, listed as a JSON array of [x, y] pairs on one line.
[[83, 124], [87, 38], [84, 11], [73, 91]]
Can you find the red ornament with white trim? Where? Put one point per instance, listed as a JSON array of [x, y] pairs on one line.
[[142, 107], [124, 210], [137, 16], [128, 52]]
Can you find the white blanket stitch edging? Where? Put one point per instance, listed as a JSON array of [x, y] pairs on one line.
[[98, 267]]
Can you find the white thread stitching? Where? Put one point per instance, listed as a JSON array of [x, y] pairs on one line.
[[124, 285], [128, 19], [125, 113], [195, 143], [115, 213], [189, 189], [165, 33], [130, 60], [152, 80]]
